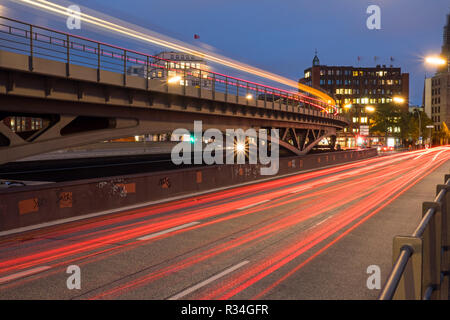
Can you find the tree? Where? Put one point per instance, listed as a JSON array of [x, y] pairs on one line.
[[443, 135], [390, 116], [411, 127], [385, 118]]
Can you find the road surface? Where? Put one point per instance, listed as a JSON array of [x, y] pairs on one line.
[[305, 236]]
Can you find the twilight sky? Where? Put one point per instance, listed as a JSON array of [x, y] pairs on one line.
[[281, 36]]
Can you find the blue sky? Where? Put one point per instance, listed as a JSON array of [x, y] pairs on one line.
[[281, 36]]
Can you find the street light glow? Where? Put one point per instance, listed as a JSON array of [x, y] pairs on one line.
[[435, 60], [249, 97], [399, 100], [370, 109], [348, 106], [240, 147], [174, 79]]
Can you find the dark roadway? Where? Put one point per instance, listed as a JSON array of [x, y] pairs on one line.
[[307, 236]]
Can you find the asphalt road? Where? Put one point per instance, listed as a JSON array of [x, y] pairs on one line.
[[307, 236]]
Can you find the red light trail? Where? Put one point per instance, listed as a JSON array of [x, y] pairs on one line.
[[300, 215]]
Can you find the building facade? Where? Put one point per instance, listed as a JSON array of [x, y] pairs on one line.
[[188, 70], [355, 89], [436, 96]]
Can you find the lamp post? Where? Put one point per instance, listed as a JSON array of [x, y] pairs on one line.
[[420, 126], [429, 138]]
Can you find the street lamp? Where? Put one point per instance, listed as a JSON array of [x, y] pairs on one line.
[[174, 79], [398, 100], [437, 61], [347, 106], [370, 109]]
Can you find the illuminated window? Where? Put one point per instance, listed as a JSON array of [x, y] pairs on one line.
[[355, 119], [307, 74], [364, 120], [355, 73]]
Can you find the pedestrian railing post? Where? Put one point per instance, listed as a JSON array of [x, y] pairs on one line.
[[30, 63], [125, 67], [410, 284], [432, 246], [445, 235]]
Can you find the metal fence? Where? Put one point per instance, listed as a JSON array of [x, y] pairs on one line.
[[24, 38], [422, 260]]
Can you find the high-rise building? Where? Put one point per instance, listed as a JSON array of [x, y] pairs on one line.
[[360, 87], [446, 44], [437, 88]]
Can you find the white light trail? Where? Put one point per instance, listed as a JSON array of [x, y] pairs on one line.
[[158, 39]]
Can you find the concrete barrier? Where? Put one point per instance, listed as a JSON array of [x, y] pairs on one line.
[[25, 206]]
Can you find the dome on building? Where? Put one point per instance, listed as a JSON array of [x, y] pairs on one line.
[[316, 61]]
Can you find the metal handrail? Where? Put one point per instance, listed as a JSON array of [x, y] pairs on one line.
[[408, 250], [112, 52], [396, 274]]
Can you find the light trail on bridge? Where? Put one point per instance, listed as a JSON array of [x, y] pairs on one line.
[[158, 39], [275, 225]]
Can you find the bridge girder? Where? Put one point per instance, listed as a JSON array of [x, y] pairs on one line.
[[136, 106]]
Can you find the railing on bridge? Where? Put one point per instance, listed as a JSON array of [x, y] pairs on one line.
[[20, 37], [422, 260]]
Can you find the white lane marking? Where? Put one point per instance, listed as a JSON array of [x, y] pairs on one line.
[[153, 235], [434, 158], [422, 154], [322, 221], [207, 281], [23, 274], [253, 205], [300, 189]]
